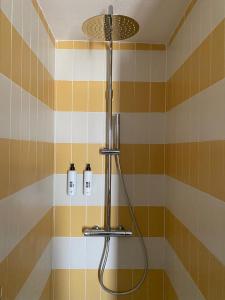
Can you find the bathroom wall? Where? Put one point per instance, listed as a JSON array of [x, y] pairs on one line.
[[195, 154], [139, 95], [26, 147]]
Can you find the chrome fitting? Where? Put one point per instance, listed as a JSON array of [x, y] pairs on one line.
[[106, 151]]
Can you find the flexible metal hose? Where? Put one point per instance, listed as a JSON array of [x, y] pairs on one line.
[[105, 252]]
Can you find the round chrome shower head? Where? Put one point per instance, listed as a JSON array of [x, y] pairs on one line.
[[110, 27]]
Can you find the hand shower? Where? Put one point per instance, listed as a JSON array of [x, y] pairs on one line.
[[111, 28]]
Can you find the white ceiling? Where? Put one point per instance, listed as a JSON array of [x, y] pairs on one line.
[[157, 18]]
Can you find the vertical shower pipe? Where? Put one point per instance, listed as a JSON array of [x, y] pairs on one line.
[[109, 141]]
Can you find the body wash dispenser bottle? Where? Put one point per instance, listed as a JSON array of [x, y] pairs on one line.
[[87, 183], [71, 181]]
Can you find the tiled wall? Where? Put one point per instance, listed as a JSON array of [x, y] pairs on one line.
[[195, 156], [139, 95], [26, 147]]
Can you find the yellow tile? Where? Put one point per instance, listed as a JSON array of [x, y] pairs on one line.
[[4, 277], [218, 52], [157, 97], [127, 159], [157, 157], [156, 221], [61, 284], [187, 80], [62, 221], [34, 75], [26, 67], [64, 45], [96, 96], [5, 167], [16, 57], [41, 82], [127, 96], [64, 95], [124, 282], [47, 292], [155, 279], [204, 166], [203, 270], [142, 156], [141, 97], [78, 214], [21, 260], [205, 63], [6, 46], [169, 292], [216, 279], [142, 216], [93, 287], [143, 292], [77, 284], [124, 218], [63, 157], [217, 169], [110, 280], [94, 216], [81, 95], [80, 154], [194, 164]]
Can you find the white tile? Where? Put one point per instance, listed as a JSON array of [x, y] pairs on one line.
[[201, 213], [181, 280], [25, 116], [5, 91], [27, 21], [6, 7], [82, 127], [218, 11], [158, 66], [188, 122], [16, 112], [35, 283], [64, 64], [21, 211], [124, 65], [143, 65], [137, 124], [124, 253], [17, 18], [142, 189], [33, 118], [89, 64]]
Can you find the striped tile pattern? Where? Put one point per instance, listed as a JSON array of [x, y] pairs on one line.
[[139, 95], [195, 209], [27, 150]]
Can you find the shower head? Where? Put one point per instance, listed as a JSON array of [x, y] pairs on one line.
[[110, 27]]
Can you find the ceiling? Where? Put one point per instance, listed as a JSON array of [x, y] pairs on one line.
[[157, 18]]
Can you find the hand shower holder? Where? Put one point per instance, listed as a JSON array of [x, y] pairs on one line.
[[106, 151], [97, 231]]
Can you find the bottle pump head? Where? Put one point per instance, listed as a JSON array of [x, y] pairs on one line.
[[72, 167], [88, 167]]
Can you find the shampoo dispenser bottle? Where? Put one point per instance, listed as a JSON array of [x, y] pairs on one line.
[[87, 183], [71, 180]]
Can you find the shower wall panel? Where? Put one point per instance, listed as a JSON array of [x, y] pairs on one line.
[[139, 95], [26, 147], [195, 154]]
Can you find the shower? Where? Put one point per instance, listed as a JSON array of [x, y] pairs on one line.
[[111, 28]]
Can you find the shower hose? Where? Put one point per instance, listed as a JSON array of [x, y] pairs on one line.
[[105, 252]]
